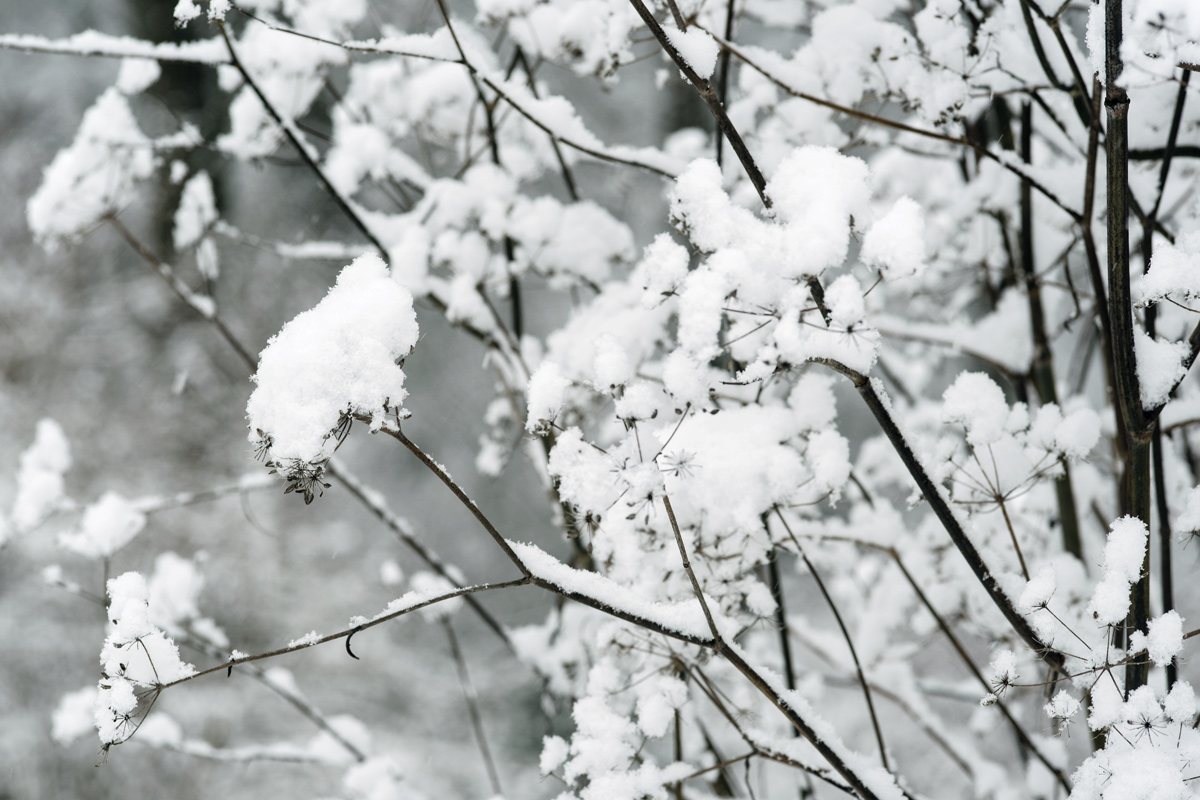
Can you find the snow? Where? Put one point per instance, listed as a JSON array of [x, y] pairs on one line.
[[663, 268], [339, 357], [545, 396], [685, 618], [1163, 641], [188, 10], [658, 700], [555, 751], [174, 591], [1038, 591], [743, 465], [135, 653], [611, 366], [818, 220], [197, 212], [1077, 434], [306, 640], [1062, 706], [1123, 556], [1003, 671], [1180, 703], [828, 454], [137, 75], [96, 176], [844, 298], [390, 573], [975, 401], [73, 717], [1174, 271], [812, 401], [1188, 520], [1159, 367], [40, 478], [95, 43], [108, 525], [431, 585], [698, 49], [895, 243]]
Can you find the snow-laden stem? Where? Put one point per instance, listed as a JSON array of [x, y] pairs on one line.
[[303, 706], [348, 632]]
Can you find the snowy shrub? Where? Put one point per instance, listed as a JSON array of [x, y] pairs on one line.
[[862, 452]]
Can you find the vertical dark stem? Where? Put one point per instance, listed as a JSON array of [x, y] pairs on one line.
[[677, 789], [723, 77], [785, 643], [1043, 357], [1135, 479], [837, 616], [1166, 585]]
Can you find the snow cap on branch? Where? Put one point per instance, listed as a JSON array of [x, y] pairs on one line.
[[339, 358]]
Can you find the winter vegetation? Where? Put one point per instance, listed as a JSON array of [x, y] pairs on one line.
[[836, 354]]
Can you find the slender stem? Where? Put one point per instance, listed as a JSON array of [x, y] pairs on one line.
[[403, 531], [289, 129], [723, 76], [439, 471], [464, 679], [837, 615], [1163, 508], [974, 670], [568, 177], [182, 291], [348, 632], [711, 99], [785, 642], [1012, 533], [687, 568]]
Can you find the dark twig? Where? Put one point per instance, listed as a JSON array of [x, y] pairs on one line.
[[464, 678], [837, 615], [293, 134]]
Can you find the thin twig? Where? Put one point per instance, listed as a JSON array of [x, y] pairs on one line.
[[464, 679], [837, 615]]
